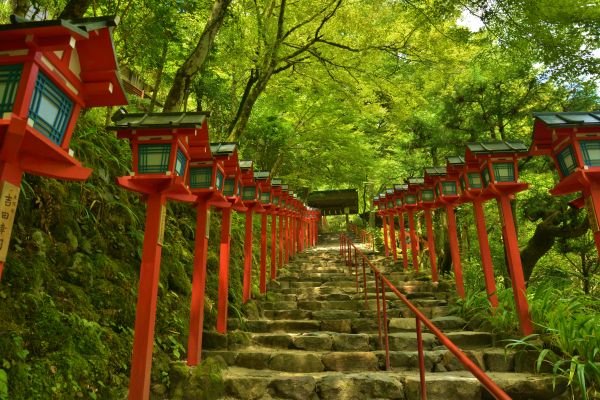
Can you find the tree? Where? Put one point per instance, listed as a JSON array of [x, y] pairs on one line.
[[75, 9], [193, 64]]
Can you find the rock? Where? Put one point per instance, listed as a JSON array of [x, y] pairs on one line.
[[466, 339], [213, 340], [442, 386], [449, 322], [295, 388], [247, 388], [528, 387], [498, 360], [359, 386], [254, 360], [296, 362], [351, 342], [365, 325], [355, 361], [402, 324], [337, 325], [273, 340], [250, 310], [313, 342], [334, 314], [451, 363], [238, 339]]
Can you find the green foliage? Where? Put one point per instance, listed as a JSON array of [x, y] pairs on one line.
[[570, 338]]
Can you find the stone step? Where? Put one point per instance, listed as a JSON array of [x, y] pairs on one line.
[[248, 384]]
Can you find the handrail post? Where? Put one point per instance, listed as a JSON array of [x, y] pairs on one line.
[[421, 359], [365, 284], [378, 309], [356, 269], [385, 327]]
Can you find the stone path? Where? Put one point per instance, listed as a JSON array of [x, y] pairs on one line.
[[313, 337]]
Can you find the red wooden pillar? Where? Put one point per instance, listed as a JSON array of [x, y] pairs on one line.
[[385, 234], [454, 251], [414, 249], [514, 263], [247, 281], [194, 355], [393, 236], [263, 253], [145, 316], [286, 238], [273, 245], [484, 251], [281, 237], [431, 244], [403, 240], [224, 271]]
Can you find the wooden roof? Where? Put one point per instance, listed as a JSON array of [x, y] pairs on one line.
[[334, 202]]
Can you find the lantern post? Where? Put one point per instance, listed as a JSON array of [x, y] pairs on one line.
[[390, 211], [275, 211], [49, 71], [263, 179], [411, 206], [572, 140], [227, 154], [282, 225], [382, 206], [399, 190], [470, 191], [500, 175], [251, 199], [160, 149], [426, 199], [205, 180], [447, 196]]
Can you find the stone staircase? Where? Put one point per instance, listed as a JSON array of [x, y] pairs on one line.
[[313, 337]]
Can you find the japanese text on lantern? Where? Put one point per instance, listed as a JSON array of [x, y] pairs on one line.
[[9, 198]]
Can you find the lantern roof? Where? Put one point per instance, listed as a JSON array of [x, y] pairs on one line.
[[262, 175], [455, 161], [223, 148], [124, 120], [510, 146], [246, 164], [435, 171], [401, 186], [389, 191], [568, 119], [276, 182], [416, 180], [285, 187], [93, 59]]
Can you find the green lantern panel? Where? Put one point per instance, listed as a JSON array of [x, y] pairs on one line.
[[591, 152], [449, 188], [249, 193], [229, 187], [398, 202], [485, 177], [10, 75], [566, 160], [411, 199], [474, 180], [200, 177], [50, 109], [180, 163], [153, 158], [390, 204], [427, 195], [276, 200], [219, 180], [265, 197], [504, 172]]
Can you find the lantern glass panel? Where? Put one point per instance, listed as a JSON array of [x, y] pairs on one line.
[[449, 188], [50, 109], [463, 185], [566, 160], [10, 75], [228, 189], [398, 202], [427, 195], [249, 193], [200, 177], [591, 152], [474, 180], [411, 199], [219, 180], [265, 197], [180, 163], [276, 200], [153, 158], [390, 204], [485, 177], [504, 172]]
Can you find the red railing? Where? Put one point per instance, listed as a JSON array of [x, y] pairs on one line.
[[351, 254], [364, 235]]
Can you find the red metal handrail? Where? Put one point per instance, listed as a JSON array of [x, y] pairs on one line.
[[351, 259], [364, 235]]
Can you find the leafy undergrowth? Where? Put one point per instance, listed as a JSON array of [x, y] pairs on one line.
[[568, 332], [69, 289]]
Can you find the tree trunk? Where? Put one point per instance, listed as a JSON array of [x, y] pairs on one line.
[[159, 75], [246, 106], [194, 62], [75, 9]]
